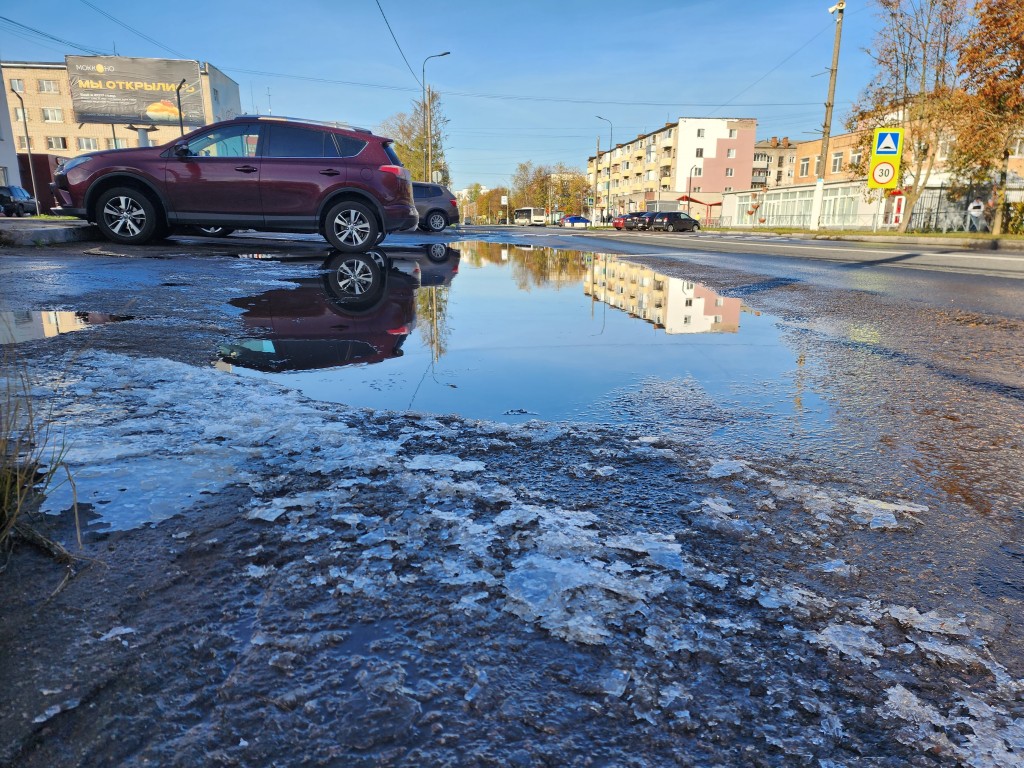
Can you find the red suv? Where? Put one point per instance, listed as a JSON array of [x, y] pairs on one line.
[[269, 173]]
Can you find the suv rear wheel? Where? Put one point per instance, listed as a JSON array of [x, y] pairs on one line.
[[126, 215], [436, 221], [350, 227]]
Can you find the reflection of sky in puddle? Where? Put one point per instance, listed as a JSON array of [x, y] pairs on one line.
[[524, 335], [30, 325]]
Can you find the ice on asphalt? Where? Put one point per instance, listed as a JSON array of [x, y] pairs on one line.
[[148, 439]]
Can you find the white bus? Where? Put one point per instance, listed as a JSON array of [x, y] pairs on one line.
[[528, 217]]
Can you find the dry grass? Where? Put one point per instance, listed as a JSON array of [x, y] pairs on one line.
[[31, 457]]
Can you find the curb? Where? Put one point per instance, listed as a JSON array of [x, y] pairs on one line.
[[34, 236]]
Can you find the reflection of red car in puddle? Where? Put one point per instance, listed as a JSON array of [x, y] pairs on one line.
[[320, 325]]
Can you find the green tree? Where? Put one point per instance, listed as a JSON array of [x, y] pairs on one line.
[[409, 131]]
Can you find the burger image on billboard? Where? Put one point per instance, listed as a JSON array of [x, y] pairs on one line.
[[162, 111]]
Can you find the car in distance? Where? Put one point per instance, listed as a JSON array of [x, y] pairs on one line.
[[625, 220], [675, 221], [436, 206], [250, 172], [16, 201], [633, 220], [574, 221], [643, 222]]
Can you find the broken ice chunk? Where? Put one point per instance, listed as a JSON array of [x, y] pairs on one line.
[[726, 468]]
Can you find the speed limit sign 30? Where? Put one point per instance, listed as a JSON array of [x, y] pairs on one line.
[[883, 173]]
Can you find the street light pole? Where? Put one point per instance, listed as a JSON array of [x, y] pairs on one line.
[[28, 148], [426, 115], [610, 145]]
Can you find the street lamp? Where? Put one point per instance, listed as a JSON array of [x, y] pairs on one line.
[[689, 189], [426, 115], [28, 148], [610, 145]]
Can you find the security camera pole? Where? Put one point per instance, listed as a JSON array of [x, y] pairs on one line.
[[819, 186], [28, 149], [181, 120]]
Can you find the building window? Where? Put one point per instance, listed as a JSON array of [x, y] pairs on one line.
[[700, 152], [730, 153], [668, 134], [700, 133], [56, 142], [48, 86], [855, 156], [21, 143], [718, 318], [86, 144], [729, 172], [117, 143], [216, 95], [52, 115], [727, 189], [792, 159], [17, 84], [696, 189], [20, 114], [698, 171], [837, 162], [719, 302], [733, 133], [805, 164], [688, 303]]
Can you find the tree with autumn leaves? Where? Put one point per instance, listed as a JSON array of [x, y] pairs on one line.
[[988, 113], [951, 74]]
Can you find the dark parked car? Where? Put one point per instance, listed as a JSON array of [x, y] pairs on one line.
[[644, 220], [264, 173], [631, 220], [16, 201], [436, 206], [675, 221]]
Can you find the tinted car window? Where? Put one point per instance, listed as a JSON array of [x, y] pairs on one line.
[[420, 192], [294, 141], [348, 147], [392, 155], [230, 141]]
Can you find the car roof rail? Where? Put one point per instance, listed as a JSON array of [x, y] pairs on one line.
[[285, 119]]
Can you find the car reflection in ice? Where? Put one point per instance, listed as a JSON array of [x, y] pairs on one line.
[[322, 323]]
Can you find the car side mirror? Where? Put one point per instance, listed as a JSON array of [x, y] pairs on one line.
[[181, 149]]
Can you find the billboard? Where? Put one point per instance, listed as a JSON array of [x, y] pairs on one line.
[[117, 89]]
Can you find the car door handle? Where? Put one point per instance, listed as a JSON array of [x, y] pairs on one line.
[[330, 172], [246, 168]]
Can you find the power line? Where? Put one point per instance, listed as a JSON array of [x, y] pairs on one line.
[[48, 36], [117, 21], [388, 24]]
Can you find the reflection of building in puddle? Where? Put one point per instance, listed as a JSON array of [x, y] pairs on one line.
[[671, 303], [18, 327]]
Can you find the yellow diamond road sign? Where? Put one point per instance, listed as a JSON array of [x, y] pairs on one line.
[[886, 151]]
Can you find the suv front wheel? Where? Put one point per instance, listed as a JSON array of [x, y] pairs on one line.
[[126, 215], [350, 227]]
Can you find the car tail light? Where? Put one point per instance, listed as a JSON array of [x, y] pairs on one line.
[[402, 330], [395, 169], [454, 202]]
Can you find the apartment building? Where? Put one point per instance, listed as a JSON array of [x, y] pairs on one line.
[[45, 90], [8, 154], [671, 304], [692, 157]]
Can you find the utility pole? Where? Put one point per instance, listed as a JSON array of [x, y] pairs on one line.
[[819, 186], [597, 164]]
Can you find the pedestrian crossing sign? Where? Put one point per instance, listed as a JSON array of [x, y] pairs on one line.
[[886, 152]]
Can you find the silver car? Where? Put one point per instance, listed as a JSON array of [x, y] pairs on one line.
[[436, 206]]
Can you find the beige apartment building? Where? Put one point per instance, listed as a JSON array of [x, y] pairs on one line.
[[699, 158], [45, 89], [668, 303]]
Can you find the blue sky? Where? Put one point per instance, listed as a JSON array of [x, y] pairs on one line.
[[524, 80]]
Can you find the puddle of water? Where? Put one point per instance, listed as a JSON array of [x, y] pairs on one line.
[[508, 333], [31, 325]]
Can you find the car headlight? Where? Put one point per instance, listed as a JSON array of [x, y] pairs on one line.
[[75, 162]]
